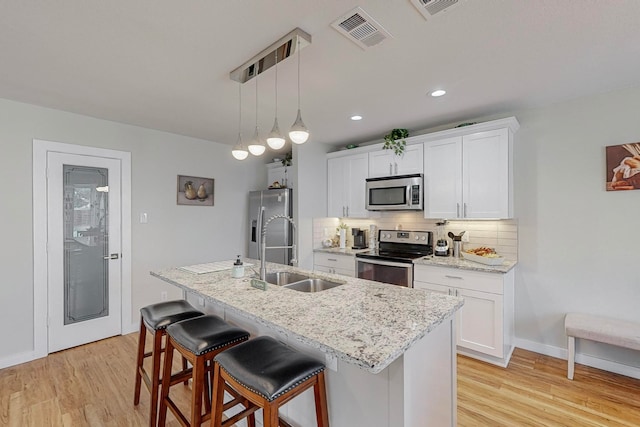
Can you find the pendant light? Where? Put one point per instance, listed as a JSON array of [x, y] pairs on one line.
[[275, 139], [239, 151], [299, 132], [256, 146]]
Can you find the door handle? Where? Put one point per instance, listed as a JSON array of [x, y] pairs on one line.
[[112, 256]]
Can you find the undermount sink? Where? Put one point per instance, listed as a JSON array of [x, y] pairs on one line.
[[281, 278], [312, 285]]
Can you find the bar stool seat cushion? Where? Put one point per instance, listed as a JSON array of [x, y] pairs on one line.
[[267, 367], [205, 333], [159, 316]]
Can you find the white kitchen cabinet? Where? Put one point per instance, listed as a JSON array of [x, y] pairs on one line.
[[281, 174], [469, 176], [485, 323], [386, 162], [334, 263], [346, 179]]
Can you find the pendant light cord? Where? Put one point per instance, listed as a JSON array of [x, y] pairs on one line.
[[298, 72], [256, 102], [239, 108], [276, 83]]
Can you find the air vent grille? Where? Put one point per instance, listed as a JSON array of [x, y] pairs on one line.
[[361, 28], [429, 8]]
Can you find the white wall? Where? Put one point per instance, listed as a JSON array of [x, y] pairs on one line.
[[579, 244], [174, 235]]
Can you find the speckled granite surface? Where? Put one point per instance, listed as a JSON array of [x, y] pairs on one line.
[[364, 323], [345, 251], [465, 264]]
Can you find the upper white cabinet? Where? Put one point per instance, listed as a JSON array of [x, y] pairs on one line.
[[470, 176], [346, 186], [278, 173], [386, 162]]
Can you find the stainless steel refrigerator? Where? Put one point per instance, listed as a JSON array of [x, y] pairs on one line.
[[279, 231]]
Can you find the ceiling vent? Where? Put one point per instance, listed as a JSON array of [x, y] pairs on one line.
[[430, 8], [361, 28]]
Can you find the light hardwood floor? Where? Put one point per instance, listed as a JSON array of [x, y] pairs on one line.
[[92, 385]]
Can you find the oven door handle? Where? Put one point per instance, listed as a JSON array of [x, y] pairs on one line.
[[389, 263]]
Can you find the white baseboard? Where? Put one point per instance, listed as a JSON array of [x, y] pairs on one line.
[[583, 359], [17, 359], [28, 356]]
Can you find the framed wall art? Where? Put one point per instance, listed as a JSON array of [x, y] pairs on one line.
[[623, 167], [195, 191]]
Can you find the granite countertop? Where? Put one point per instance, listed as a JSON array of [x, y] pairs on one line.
[[464, 264], [345, 251], [365, 323]]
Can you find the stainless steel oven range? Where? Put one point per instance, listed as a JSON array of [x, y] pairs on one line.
[[392, 262]]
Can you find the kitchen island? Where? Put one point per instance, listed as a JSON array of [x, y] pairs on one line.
[[390, 351]]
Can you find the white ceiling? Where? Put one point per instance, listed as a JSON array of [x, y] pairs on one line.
[[165, 64]]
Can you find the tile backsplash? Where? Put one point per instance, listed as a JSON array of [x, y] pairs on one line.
[[499, 234]]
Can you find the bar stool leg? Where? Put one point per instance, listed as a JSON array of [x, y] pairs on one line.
[[166, 380], [320, 394], [155, 378], [197, 392], [141, 341]]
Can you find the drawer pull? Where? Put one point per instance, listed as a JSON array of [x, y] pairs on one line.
[[453, 277], [332, 259]]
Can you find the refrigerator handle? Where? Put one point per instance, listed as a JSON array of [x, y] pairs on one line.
[[254, 226]]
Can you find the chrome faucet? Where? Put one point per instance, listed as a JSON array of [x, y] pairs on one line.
[[264, 247]]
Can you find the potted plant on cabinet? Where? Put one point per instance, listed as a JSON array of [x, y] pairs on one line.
[[394, 140]]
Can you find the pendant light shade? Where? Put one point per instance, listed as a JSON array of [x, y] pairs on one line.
[[275, 140], [256, 146], [239, 151], [299, 132]]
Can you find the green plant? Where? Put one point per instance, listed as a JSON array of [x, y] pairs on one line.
[[287, 159], [342, 226], [394, 140]]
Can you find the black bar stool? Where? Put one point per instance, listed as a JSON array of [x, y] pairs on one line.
[[198, 340], [268, 374], [156, 318]]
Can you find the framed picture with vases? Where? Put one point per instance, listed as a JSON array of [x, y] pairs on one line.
[[195, 191]]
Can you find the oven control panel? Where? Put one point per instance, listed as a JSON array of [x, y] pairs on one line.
[[401, 236]]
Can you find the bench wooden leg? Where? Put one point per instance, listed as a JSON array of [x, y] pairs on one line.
[[571, 357]]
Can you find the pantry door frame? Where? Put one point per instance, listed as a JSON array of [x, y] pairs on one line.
[[41, 148]]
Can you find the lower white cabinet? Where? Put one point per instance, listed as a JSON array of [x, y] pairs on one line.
[[335, 264], [484, 325]]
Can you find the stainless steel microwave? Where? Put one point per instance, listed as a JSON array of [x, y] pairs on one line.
[[395, 193]]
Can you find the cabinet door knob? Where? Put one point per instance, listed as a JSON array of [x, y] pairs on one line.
[[390, 169]]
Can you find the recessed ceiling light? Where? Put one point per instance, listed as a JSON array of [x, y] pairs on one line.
[[356, 118], [438, 92]]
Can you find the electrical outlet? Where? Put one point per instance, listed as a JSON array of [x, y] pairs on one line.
[[465, 237], [163, 295], [201, 301]]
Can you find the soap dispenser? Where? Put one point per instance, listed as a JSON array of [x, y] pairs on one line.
[[238, 269]]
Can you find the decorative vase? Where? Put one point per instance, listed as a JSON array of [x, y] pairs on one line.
[[343, 238]]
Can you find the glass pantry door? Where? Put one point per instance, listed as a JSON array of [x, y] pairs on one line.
[[84, 249]]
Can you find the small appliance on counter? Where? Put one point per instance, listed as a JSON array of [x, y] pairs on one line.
[[442, 244], [359, 238], [457, 244]]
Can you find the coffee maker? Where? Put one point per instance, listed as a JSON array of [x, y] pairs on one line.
[[359, 238]]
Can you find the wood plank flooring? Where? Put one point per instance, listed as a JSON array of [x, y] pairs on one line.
[[92, 385]]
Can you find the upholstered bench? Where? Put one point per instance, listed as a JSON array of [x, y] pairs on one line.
[[620, 333]]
